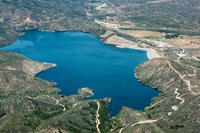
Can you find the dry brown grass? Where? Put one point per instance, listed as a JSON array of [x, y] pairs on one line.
[[176, 42], [108, 32], [141, 33], [118, 40], [159, 1], [186, 42]]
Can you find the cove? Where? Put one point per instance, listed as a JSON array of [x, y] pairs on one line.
[[83, 61]]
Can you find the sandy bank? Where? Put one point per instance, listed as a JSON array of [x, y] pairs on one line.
[[151, 53]]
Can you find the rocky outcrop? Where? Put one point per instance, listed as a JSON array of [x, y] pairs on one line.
[[85, 92], [33, 68]]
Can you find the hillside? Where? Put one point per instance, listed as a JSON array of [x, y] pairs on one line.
[[81, 15], [176, 109], [44, 15], [30, 104]]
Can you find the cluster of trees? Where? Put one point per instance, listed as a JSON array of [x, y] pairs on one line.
[[171, 35]]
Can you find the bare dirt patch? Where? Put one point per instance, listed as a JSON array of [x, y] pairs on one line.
[[158, 1], [118, 40], [142, 33], [184, 41]]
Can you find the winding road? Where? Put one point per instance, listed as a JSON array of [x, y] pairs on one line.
[[97, 117]]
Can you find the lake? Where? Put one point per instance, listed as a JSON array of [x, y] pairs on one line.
[[83, 61]]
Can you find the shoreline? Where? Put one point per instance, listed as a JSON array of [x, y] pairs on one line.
[[151, 53]]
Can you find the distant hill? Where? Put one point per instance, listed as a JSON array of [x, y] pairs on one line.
[[80, 15], [51, 15]]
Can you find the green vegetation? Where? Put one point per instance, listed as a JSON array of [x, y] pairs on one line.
[[105, 125], [2, 113], [43, 15], [163, 77], [171, 35], [167, 15], [153, 37], [189, 33], [36, 108]]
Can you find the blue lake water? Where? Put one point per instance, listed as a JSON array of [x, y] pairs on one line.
[[83, 61]]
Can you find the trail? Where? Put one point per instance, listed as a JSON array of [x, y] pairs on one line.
[[148, 121], [57, 102], [159, 102], [178, 58], [195, 70], [97, 117], [187, 82], [74, 105], [145, 121], [121, 130], [113, 6], [178, 97], [195, 58]]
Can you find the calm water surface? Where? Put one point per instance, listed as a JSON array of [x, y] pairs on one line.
[[83, 61]]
